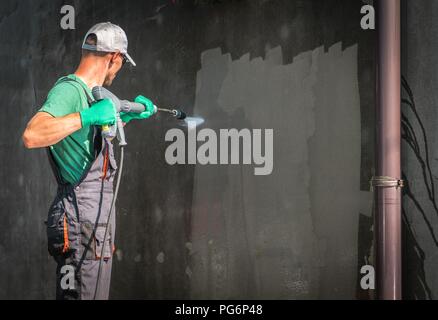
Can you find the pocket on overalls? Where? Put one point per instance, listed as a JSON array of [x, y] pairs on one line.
[[92, 241], [104, 251], [57, 230]]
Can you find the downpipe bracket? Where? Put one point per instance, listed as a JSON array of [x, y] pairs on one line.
[[385, 182]]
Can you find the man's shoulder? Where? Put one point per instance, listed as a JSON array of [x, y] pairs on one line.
[[66, 83], [64, 98], [67, 87]]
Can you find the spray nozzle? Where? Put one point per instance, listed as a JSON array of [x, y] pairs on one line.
[[179, 114]]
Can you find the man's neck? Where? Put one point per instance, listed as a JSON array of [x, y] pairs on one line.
[[92, 74]]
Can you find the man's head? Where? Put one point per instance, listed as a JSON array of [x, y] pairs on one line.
[[106, 45]]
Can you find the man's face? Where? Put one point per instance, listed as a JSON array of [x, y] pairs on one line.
[[116, 63]]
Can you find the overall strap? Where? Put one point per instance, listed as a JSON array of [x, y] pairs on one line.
[[55, 169]]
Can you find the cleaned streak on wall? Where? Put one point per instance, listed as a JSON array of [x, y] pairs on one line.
[[292, 234]]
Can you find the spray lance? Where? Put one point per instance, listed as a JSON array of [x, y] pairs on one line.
[[117, 130], [100, 93]]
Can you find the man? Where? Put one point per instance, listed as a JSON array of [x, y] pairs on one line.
[[83, 161]]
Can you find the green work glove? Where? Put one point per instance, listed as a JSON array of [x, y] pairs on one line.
[[101, 113], [150, 110]]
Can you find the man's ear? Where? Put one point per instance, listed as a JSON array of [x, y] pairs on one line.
[[115, 55], [112, 59]]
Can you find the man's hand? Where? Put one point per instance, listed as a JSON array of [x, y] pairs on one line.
[[150, 110], [101, 113]]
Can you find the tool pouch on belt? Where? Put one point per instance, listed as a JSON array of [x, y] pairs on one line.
[[58, 235], [92, 241]]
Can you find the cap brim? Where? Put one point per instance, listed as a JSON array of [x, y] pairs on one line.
[[130, 59]]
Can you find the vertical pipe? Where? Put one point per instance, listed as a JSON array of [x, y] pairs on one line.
[[388, 200]]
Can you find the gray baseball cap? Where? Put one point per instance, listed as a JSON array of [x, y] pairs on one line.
[[110, 38]]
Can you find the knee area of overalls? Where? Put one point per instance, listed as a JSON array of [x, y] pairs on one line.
[[97, 241]]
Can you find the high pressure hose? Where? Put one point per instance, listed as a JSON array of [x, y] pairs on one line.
[[178, 114], [116, 191]]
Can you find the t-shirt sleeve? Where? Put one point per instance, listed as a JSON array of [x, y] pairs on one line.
[[62, 100]]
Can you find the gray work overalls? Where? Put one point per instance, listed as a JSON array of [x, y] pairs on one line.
[[76, 225]]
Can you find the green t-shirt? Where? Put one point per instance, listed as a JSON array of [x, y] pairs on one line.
[[74, 154]]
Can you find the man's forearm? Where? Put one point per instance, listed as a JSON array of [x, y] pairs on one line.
[[44, 130]]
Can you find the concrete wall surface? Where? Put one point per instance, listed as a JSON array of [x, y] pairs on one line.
[[294, 75]]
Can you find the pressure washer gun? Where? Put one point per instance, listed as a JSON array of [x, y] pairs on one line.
[[117, 130], [100, 93]]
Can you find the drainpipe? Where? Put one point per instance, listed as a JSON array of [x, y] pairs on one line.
[[387, 184]]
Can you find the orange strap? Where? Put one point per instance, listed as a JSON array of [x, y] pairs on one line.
[[97, 255], [66, 243], [105, 164]]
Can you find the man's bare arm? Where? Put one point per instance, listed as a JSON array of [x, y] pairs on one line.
[[44, 130]]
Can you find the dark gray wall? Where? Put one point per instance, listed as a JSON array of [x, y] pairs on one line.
[[420, 145], [303, 68]]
